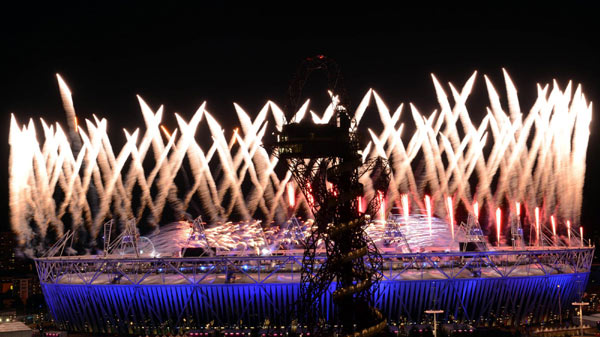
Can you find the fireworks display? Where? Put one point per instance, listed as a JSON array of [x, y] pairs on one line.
[[535, 160]]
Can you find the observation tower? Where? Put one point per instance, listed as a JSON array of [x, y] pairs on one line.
[[325, 161]]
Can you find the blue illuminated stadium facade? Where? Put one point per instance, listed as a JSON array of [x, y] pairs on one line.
[[136, 295]]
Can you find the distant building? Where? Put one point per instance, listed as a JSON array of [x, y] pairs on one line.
[[17, 274], [8, 315], [26, 286], [23, 286], [7, 251], [15, 329]]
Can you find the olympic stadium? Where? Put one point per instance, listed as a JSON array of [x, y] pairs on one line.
[[125, 293]]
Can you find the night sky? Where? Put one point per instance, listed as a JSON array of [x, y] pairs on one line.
[[180, 56]]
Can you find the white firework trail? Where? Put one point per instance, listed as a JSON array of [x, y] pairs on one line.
[[537, 159]]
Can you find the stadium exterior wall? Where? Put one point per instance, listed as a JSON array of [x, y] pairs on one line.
[[140, 308]]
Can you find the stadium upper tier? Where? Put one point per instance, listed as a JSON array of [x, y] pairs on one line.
[[128, 269]]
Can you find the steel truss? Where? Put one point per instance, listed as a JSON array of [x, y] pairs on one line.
[[138, 295]]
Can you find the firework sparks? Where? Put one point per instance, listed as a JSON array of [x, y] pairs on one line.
[[538, 154], [569, 232], [498, 224], [537, 226], [405, 208], [451, 215], [429, 213], [291, 193]]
